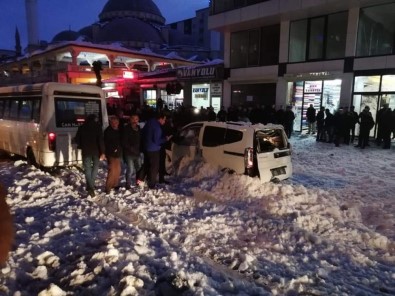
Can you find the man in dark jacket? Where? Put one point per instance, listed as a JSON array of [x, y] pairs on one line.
[[320, 118], [311, 117], [89, 139], [131, 148], [289, 117], [113, 150], [153, 138], [366, 123]]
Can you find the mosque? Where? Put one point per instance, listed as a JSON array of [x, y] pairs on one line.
[[134, 24], [140, 54]]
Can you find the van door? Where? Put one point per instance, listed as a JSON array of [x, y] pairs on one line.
[[213, 145], [185, 144], [273, 154]]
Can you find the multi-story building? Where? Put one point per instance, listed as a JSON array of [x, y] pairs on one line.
[[191, 37], [332, 53]]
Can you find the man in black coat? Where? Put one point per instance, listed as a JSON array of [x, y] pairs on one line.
[[89, 139], [311, 117], [131, 149]]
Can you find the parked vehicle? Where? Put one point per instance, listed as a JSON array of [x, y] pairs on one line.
[[39, 121], [240, 147]]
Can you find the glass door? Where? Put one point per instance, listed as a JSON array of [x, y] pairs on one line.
[[360, 101]]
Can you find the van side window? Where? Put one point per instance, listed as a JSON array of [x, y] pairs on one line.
[[213, 136], [233, 136], [36, 110], [14, 106], [25, 113], [1, 108], [190, 136], [6, 114]]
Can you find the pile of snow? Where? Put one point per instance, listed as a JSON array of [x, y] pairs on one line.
[[329, 230]]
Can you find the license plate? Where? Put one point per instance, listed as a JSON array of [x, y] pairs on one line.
[[278, 171]]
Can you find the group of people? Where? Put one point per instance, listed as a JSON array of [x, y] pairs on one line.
[[340, 127], [122, 144]]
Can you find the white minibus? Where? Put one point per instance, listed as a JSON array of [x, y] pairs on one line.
[[39, 121]]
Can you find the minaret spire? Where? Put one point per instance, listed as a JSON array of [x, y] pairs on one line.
[[32, 24], [18, 48]]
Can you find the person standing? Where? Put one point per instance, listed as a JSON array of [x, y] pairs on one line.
[[113, 151], [320, 119], [366, 123], [289, 117], [311, 118], [153, 138], [89, 139], [353, 121], [329, 126], [131, 149]]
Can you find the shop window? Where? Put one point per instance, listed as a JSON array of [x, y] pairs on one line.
[[376, 30], [367, 84], [388, 83]]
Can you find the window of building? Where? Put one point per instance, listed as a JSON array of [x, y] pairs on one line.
[[376, 30], [388, 83], [298, 41], [336, 35], [270, 45], [318, 38], [188, 27], [253, 48], [239, 49], [257, 47]]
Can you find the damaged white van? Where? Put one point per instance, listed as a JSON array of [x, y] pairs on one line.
[[243, 148]]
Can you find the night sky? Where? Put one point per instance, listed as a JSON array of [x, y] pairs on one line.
[[58, 15]]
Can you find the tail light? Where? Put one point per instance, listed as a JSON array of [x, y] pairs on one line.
[[52, 141], [249, 158]]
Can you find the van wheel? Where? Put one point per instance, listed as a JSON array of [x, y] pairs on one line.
[[31, 159]]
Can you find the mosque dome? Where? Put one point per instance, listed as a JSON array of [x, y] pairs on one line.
[[142, 9], [132, 32], [66, 35]]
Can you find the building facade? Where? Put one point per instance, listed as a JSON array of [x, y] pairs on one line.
[[331, 53]]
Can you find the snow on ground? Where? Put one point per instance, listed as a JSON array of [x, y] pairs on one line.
[[329, 230]]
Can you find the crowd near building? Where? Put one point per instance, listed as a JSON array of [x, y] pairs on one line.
[[236, 55]]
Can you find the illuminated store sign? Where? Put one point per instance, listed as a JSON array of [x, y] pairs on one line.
[[203, 72]]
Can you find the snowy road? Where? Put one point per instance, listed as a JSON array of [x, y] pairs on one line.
[[329, 230]]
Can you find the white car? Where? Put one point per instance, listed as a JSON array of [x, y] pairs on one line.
[[240, 147]]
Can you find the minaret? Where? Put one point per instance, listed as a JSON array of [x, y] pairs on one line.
[[18, 48], [32, 25]]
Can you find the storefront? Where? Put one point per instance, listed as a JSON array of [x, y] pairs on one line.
[[161, 84], [301, 94], [205, 84], [373, 91]]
